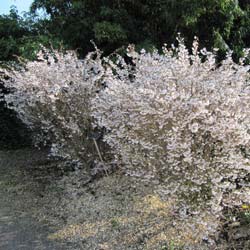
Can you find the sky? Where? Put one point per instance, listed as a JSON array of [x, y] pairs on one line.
[[22, 5]]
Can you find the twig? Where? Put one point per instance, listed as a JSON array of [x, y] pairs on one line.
[[100, 156]]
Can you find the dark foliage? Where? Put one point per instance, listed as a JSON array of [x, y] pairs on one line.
[[13, 133], [113, 23]]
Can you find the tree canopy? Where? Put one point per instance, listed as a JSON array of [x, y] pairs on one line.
[[113, 23], [22, 36], [116, 23]]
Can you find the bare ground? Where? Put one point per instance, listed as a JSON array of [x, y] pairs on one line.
[[44, 206]]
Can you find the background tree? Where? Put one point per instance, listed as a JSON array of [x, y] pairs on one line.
[[113, 23], [22, 36]]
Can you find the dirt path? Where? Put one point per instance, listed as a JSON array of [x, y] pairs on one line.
[[21, 188]]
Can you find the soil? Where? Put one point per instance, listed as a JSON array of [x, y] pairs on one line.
[[24, 176], [45, 205]]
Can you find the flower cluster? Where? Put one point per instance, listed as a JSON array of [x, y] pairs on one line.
[[176, 117], [51, 97], [184, 120]]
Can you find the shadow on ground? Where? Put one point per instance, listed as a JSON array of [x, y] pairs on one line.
[[23, 180]]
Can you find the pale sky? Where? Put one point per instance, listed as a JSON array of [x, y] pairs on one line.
[[22, 5]]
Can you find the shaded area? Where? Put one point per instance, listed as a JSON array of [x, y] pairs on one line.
[[24, 233], [13, 133], [20, 193], [235, 229]]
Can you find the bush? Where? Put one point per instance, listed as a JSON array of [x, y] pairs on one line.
[[179, 118], [51, 97], [183, 120]]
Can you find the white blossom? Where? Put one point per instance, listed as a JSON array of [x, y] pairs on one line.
[[182, 120], [176, 118]]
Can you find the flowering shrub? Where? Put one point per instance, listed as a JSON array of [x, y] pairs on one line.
[[178, 118], [51, 96], [183, 120]]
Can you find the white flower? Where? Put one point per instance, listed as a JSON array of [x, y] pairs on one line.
[[194, 127]]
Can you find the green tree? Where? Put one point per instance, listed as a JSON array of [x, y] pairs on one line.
[[113, 23], [22, 36]]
